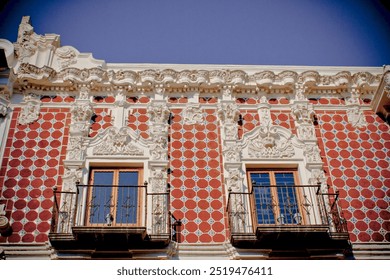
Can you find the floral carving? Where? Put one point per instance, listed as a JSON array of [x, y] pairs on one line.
[[270, 144], [117, 143], [232, 153], [66, 56]]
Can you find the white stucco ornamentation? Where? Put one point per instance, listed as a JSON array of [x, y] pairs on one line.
[[312, 153], [117, 142], [76, 148], [270, 144], [158, 113], [159, 147], [228, 114], [303, 112], [193, 114], [234, 180], [356, 117], [30, 110], [66, 56], [3, 107], [232, 152]]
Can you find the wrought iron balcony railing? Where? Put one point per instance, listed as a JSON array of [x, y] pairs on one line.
[[284, 208], [110, 206]]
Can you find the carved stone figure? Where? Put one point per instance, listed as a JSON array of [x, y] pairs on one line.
[[312, 153], [30, 110], [303, 113], [158, 113], [159, 147], [234, 180], [193, 114], [356, 117]]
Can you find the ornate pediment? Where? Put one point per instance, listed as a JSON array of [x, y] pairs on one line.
[[117, 142], [269, 142]]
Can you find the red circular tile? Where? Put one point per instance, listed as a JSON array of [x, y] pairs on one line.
[[43, 227], [202, 183], [47, 204], [369, 203], [33, 204], [38, 172], [218, 226], [205, 238], [177, 203], [17, 215], [176, 163], [22, 193], [362, 226], [190, 215], [45, 215], [215, 194], [191, 238], [204, 215], [189, 193], [203, 204], [189, 163], [214, 183], [214, 173], [201, 163], [204, 227], [49, 182], [364, 237], [359, 214], [356, 203], [177, 193], [30, 227], [189, 173], [216, 204], [376, 236]]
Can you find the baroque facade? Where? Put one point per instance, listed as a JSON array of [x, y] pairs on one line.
[[102, 160]]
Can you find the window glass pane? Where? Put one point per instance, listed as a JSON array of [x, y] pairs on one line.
[[101, 200], [263, 198], [287, 198], [127, 201]]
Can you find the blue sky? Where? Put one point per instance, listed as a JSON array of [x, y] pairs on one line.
[[256, 32]]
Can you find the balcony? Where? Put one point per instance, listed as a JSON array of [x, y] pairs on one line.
[[103, 220], [297, 220]]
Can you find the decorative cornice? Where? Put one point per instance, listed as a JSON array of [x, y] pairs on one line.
[[238, 80]]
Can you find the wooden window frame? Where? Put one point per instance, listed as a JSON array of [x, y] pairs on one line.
[[116, 172], [274, 194]]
